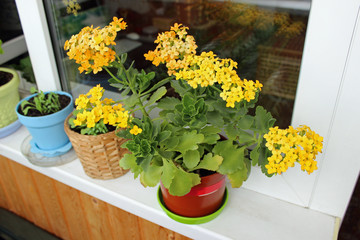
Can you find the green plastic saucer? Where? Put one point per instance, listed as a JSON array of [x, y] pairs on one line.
[[192, 220]]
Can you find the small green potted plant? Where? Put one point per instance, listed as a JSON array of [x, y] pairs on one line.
[[9, 97], [43, 114], [182, 148], [91, 129]]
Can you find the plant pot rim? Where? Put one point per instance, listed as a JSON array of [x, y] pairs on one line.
[[13, 83], [45, 116], [68, 130], [192, 220]]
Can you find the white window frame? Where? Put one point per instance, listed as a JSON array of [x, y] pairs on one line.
[[323, 100]]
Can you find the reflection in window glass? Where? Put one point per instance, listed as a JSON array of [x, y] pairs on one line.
[[266, 41]]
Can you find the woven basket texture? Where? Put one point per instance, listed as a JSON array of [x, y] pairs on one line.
[[99, 155]]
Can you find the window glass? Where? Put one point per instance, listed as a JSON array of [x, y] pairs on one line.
[[265, 38]]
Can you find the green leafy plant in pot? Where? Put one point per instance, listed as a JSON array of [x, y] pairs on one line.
[[43, 114], [9, 97], [182, 148]]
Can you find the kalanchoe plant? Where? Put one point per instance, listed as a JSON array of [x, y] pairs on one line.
[[43, 103], [94, 115], [184, 142]]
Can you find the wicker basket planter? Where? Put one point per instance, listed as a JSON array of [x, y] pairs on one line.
[[99, 155]]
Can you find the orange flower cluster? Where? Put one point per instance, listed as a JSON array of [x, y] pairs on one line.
[[172, 46], [89, 47]]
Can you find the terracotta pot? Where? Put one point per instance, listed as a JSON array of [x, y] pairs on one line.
[[202, 200]]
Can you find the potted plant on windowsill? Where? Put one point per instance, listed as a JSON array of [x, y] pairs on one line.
[[91, 130], [9, 97], [43, 114], [182, 147]]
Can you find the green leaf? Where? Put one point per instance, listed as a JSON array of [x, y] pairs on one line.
[[245, 122], [210, 130], [160, 92], [215, 118], [233, 156], [231, 132], [130, 101], [210, 162], [168, 103], [263, 120], [157, 85], [237, 178], [189, 141], [254, 155], [163, 136], [151, 177], [191, 158], [123, 58], [132, 146], [180, 89], [211, 134], [245, 136], [168, 173], [129, 162], [182, 182]]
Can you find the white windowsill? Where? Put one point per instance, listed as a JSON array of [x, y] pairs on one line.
[[248, 214]]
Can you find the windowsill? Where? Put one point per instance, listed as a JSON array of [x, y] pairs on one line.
[[248, 214]]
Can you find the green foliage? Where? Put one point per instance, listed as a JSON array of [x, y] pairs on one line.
[[144, 93], [1, 50], [43, 103]]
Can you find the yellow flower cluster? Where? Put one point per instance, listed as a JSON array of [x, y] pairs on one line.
[[172, 48], [292, 145], [89, 47], [206, 69], [72, 6], [253, 17], [93, 109], [177, 50]]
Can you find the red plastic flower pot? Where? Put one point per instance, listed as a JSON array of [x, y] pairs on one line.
[[202, 200]]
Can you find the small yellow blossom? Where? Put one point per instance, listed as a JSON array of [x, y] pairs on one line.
[[135, 130]]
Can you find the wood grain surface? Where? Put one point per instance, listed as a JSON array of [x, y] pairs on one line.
[[67, 212]]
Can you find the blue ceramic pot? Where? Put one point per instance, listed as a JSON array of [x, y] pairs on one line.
[[47, 131]]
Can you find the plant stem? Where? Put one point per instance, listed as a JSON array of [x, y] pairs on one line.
[[128, 81], [112, 75], [215, 88]]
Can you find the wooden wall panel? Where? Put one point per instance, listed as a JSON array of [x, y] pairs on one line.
[[27, 188], [13, 196], [3, 198], [124, 225], [49, 199], [96, 213], [73, 211], [67, 212]]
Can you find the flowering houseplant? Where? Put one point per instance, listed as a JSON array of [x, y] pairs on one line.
[[94, 115], [184, 141], [91, 130], [213, 98]]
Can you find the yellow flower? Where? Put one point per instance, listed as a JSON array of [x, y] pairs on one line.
[[135, 130], [94, 110], [89, 47], [173, 46], [292, 145]]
